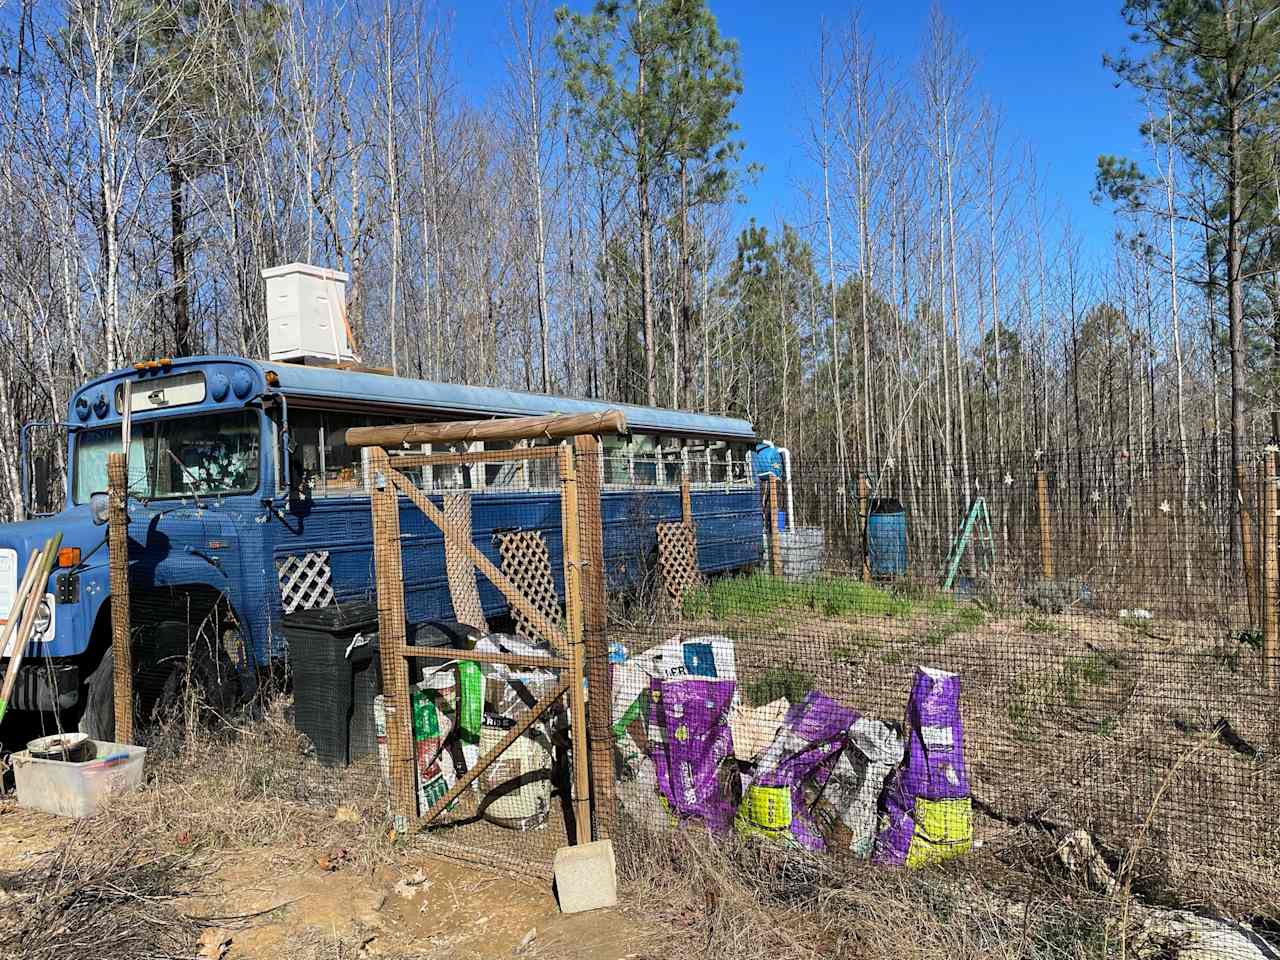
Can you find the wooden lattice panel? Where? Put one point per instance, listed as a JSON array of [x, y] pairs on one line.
[[458, 566], [305, 581], [678, 559], [527, 562]]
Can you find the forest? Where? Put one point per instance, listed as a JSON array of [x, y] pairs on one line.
[[579, 229]]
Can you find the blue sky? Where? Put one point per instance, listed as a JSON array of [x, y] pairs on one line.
[[1040, 62]]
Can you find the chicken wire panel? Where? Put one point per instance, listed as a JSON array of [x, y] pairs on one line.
[[1092, 664]]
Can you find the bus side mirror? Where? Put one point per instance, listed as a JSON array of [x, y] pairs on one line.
[[99, 504]]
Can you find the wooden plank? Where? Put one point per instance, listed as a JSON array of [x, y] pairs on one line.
[[389, 580], [459, 570], [17, 608], [477, 656], [570, 537], [686, 502], [775, 541], [594, 623], [549, 427], [118, 577], [485, 762], [864, 514], [1270, 578], [1046, 536], [545, 627]]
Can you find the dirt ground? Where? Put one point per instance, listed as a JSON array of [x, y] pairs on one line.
[[300, 900]]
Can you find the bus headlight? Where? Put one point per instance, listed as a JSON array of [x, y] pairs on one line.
[[43, 626]]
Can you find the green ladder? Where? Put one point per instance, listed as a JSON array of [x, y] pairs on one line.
[[978, 520]]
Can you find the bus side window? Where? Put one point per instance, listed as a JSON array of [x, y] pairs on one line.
[[672, 460], [304, 452], [719, 461], [617, 460]]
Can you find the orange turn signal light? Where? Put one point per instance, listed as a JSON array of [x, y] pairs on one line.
[[68, 556]]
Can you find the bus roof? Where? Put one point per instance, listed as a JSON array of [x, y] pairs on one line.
[[326, 383]]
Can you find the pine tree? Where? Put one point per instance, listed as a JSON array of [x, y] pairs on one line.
[[651, 86]]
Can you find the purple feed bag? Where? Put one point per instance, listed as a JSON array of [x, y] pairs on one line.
[[893, 842], [935, 738], [812, 736], [919, 823], [695, 749]]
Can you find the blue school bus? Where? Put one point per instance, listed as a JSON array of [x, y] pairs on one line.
[[240, 479]]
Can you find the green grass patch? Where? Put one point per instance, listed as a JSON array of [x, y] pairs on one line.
[[1040, 625], [759, 594], [783, 681], [1081, 674], [961, 618], [1036, 696], [856, 647]]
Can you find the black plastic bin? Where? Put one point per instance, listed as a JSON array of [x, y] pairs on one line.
[[337, 671], [336, 674]]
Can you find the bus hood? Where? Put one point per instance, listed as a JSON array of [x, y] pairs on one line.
[[18, 540]]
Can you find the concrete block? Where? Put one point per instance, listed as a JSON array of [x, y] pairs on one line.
[[586, 877]]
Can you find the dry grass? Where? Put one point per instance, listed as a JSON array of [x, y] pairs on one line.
[[718, 897], [99, 896], [1073, 717]]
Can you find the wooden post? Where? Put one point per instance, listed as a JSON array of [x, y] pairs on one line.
[[864, 517], [118, 576], [1248, 555], [594, 622], [1046, 537], [570, 537], [686, 501], [1270, 575], [389, 579], [775, 542]]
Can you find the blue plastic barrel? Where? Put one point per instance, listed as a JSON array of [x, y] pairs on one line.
[[887, 538], [782, 521]]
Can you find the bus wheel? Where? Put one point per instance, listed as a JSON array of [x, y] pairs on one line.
[[181, 668]]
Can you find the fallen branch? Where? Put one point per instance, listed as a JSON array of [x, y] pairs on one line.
[[1225, 733]]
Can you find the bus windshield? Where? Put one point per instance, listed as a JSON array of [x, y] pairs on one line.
[[175, 456]]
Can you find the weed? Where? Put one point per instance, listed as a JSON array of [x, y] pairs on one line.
[[1249, 637], [1040, 625], [787, 681], [858, 646], [962, 618]]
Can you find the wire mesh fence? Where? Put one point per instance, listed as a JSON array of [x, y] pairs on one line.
[[869, 663], [1071, 643]]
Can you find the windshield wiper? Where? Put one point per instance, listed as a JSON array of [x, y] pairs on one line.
[[190, 476]]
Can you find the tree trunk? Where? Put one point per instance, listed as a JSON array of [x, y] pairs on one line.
[[182, 345]]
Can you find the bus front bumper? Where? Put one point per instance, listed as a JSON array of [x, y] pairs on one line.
[[48, 686]]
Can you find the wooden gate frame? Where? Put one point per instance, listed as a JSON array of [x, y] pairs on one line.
[[584, 617]]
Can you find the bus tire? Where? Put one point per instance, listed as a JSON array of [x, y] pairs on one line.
[[179, 660]]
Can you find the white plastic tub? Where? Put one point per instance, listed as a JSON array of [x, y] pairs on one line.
[[77, 789]]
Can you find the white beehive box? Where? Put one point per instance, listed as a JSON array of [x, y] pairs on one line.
[[306, 313]]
